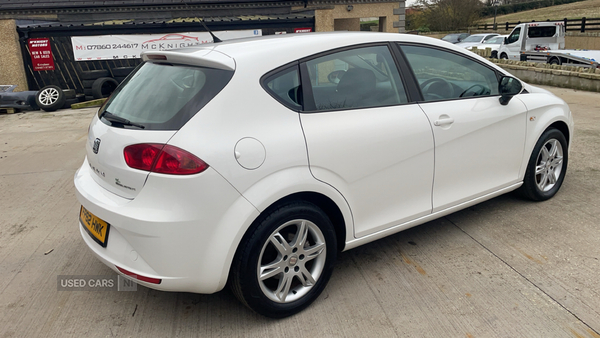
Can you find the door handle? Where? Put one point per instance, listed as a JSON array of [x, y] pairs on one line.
[[443, 121]]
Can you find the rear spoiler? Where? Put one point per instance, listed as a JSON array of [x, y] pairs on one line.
[[203, 57]]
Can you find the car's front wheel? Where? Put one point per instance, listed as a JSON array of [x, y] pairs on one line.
[[285, 261], [547, 166]]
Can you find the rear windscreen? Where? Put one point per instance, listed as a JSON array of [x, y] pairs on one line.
[[541, 32], [164, 96]]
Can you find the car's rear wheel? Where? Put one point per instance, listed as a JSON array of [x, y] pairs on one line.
[[547, 166], [285, 261]]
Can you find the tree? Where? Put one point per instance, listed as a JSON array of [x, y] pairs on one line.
[[450, 15]]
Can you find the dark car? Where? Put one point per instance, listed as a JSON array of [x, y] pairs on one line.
[[18, 100], [455, 37]]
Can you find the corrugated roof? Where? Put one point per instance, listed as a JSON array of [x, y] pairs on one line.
[[39, 24], [65, 4]]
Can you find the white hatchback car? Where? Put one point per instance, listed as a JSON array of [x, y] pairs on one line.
[[476, 39], [256, 161]]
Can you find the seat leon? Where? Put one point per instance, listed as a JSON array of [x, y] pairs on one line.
[[252, 163]]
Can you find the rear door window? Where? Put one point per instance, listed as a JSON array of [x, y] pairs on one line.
[[356, 78], [164, 96]]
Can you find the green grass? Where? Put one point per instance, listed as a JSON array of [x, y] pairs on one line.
[[575, 10]]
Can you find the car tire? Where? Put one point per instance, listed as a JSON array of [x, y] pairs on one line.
[[89, 98], [301, 264], [94, 74], [69, 102], [103, 87], [69, 93], [88, 83], [50, 98], [547, 166], [554, 61], [494, 54], [504, 56]]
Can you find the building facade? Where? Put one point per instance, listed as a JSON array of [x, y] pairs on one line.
[[59, 20]]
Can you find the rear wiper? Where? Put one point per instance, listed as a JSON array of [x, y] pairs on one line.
[[119, 120]]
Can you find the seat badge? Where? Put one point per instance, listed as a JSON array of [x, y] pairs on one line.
[[96, 146]]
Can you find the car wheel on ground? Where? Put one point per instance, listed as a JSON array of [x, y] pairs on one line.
[[50, 98], [547, 166], [504, 56], [282, 266]]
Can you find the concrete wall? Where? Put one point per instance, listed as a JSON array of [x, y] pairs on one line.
[[327, 19], [12, 71], [582, 41]]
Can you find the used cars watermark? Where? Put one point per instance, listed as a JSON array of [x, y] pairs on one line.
[[94, 283]]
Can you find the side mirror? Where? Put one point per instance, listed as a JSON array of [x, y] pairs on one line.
[[508, 87], [506, 40]]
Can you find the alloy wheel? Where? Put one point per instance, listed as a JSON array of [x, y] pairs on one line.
[[49, 96], [291, 261], [549, 165]]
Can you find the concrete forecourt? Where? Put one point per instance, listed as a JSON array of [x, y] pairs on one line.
[[503, 268]]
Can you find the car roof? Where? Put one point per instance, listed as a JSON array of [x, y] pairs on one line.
[[267, 52], [484, 34]]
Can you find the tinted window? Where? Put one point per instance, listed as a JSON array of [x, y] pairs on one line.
[[541, 32], [444, 75], [164, 96], [362, 77], [285, 86]]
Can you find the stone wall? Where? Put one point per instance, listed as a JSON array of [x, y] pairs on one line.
[[335, 17], [581, 78], [12, 71]]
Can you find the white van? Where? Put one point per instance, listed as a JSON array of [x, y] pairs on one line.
[[535, 36]]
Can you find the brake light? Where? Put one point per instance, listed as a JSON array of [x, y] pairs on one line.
[[163, 159], [139, 277], [157, 57]]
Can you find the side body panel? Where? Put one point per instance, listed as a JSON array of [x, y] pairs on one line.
[[380, 159], [480, 152]]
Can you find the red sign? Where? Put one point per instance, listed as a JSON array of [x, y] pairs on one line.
[[41, 54], [303, 30]]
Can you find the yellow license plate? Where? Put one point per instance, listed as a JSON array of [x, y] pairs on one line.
[[94, 226]]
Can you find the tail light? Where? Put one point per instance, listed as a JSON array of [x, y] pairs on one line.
[[139, 277], [163, 158]]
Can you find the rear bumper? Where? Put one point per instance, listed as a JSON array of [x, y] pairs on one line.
[[181, 230]]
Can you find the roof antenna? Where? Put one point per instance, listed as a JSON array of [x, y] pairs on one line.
[[214, 37]]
